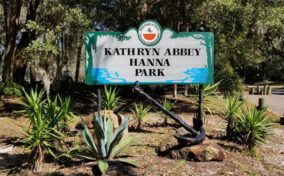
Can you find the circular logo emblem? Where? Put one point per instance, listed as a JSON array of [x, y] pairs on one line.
[[149, 32]]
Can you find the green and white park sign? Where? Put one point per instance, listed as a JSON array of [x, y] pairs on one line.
[[150, 55]]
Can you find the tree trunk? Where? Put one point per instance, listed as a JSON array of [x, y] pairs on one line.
[[139, 125], [12, 28], [38, 158], [20, 64], [79, 48], [229, 131]]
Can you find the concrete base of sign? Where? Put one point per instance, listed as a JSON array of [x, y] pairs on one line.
[[206, 151]]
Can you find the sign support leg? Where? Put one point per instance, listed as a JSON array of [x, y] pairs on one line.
[[200, 102]]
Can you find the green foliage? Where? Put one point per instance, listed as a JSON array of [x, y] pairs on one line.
[[210, 89], [11, 89], [230, 113], [253, 127], [110, 98], [168, 106], [107, 143], [48, 120], [76, 20], [231, 83], [139, 112], [34, 27], [43, 51]]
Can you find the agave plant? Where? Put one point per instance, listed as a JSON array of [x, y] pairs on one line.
[[107, 144], [47, 123], [168, 106], [110, 98], [253, 127], [230, 113], [139, 112]]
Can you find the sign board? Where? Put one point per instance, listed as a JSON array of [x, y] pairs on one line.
[[150, 55]]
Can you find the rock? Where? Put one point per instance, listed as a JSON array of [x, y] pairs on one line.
[[181, 131], [110, 115], [88, 121], [166, 145], [207, 151], [116, 119]]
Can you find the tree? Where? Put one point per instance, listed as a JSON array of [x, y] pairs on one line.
[[248, 34], [12, 10], [20, 64]]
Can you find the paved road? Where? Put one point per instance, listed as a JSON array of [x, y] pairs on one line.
[[275, 102]]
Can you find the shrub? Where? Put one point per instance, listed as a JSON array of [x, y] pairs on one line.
[[168, 106], [11, 89], [253, 127], [231, 82], [47, 120], [139, 112], [107, 144], [110, 98], [230, 113]]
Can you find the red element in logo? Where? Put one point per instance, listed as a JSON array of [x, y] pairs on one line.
[[149, 36], [149, 33]]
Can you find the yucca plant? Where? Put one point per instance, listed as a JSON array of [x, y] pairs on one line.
[[47, 122], [168, 106], [230, 113], [107, 144], [139, 112], [32, 101], [253, 127], [110, 98]]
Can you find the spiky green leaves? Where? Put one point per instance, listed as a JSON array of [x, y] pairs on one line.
[[47, 120], [248, 126], [103, 166], [111, 98], [139, 112], [168, 105], [87, 136], [230, 113], [107, 144], [253, 127]]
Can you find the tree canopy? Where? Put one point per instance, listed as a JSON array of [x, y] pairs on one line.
[[47, 36]]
